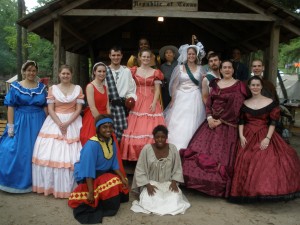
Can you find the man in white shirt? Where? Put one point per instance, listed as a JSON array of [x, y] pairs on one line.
[[214, 63], [121, 86]]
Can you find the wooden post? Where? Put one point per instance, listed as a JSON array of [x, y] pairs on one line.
[[84, 71], [266, 62], [273, 53], [72, 59], [57, 49]]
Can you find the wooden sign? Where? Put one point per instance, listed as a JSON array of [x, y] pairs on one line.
[[170, 5]]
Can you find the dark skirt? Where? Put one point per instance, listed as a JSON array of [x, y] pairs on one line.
[[108, 194]]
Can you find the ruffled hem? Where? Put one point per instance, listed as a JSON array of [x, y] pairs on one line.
[[132, 147], [29, 91], [15, 190], [57, 181], [46, 192], [53, 164], [59, 137], [264, 198]]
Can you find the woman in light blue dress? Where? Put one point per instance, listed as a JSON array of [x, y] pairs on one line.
[[26, 102]]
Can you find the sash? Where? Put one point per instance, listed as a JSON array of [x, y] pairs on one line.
[[191, 76], [210, 77]]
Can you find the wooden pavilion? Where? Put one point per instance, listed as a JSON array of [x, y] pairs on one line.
[[82, 29]]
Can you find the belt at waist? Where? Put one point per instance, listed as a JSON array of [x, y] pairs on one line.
[[117, 102]]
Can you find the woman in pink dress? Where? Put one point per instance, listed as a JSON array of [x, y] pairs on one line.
[[58, 145], [266, 167], [208, 160], [147, 112], [97, 98]]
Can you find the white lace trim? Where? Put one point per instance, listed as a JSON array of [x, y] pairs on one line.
[[65, 99], [146, 114], [138, 136], [157, 82], [32, 92]]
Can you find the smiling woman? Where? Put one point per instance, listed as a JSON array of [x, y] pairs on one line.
[[57, 146]]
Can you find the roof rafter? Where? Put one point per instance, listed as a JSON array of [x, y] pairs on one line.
[[55, 14], [280, 21], [164, 13]]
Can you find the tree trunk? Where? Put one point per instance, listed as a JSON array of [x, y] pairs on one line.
[[19, 40]]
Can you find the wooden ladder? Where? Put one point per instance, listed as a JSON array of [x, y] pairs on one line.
[[2, 126]]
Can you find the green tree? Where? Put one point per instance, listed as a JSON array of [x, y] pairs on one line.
[[289, 54], [8, 16]]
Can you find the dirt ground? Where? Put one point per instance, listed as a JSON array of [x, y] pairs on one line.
[[34, 209]]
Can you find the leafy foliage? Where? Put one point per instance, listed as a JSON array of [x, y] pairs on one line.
[[290, 54], [39, 49], [8, 12]]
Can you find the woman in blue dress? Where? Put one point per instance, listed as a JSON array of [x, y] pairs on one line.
[[102, 182], [26, 112]]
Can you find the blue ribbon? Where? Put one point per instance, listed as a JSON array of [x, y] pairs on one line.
[[105, 120]]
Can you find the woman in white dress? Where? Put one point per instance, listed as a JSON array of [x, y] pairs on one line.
[[156, 175], [186, 111], [58, 146]]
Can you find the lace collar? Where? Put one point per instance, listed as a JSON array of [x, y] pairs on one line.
[[39, 89]]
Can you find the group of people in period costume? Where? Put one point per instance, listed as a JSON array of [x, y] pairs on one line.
[[180, 125]]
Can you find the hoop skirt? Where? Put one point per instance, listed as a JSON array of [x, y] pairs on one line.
[[54, 155], [270, 174], [208, 160], [187, 112], [141, 121], [16, 151], [88, 129]]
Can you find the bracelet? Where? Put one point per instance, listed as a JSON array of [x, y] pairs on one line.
[[268, 138], [209, 117]]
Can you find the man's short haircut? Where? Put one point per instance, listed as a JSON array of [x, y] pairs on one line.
[[116, 49], [257, 60], [213, 55]]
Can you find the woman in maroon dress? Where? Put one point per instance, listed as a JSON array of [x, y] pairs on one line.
[[266, 167], [209, 158]]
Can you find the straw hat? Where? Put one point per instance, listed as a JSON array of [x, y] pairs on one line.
[[168, 47]]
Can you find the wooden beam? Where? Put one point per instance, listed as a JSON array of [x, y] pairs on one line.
[[273, 53], [257, 35], [215, 33], [68, 27], [216, 28], [104, 28], [57, 49], [272, 9], [165, 13], [222, 34], [53, 15], [283, 22]]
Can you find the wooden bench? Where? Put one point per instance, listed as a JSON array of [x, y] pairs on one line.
[[2, 126]]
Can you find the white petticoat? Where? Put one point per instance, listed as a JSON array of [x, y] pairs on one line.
[[163, 202], [54, 156], [184, 117]]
